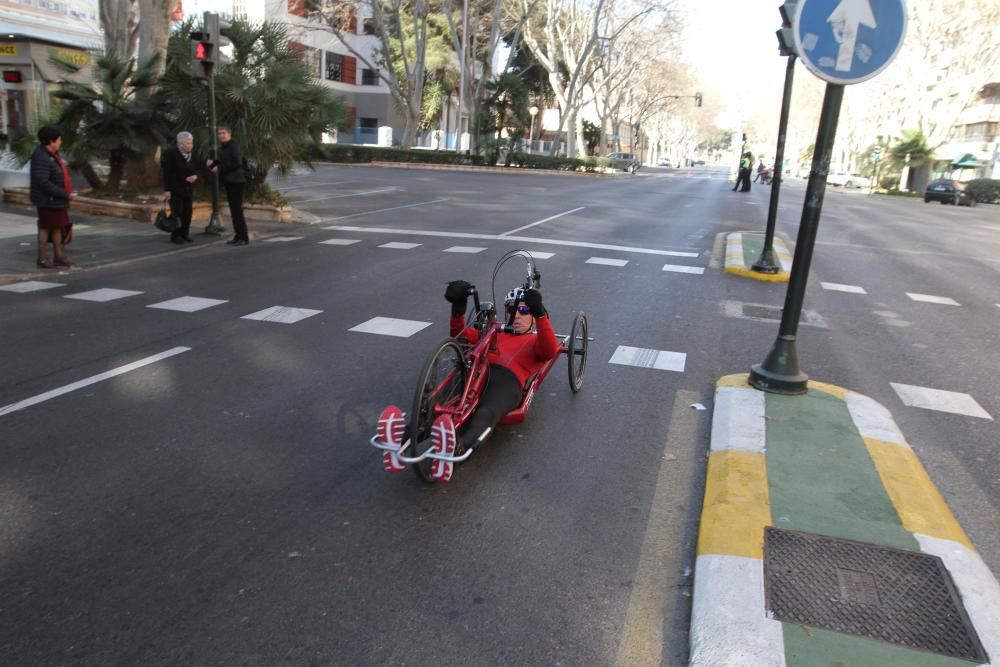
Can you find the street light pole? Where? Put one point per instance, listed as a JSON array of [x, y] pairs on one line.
[[780, 371], [531, 133], [766, 263]]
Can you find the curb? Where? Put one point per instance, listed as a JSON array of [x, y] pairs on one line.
[[736, 262], [729, 623], [487, 170]]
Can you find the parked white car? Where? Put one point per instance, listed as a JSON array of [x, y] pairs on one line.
[[847, 181]]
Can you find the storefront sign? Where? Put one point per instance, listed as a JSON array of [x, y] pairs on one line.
[[8, 50]]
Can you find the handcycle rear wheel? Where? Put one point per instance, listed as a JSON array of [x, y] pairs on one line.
[[442, 382], [576, 352]]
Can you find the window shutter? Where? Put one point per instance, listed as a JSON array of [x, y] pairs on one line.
[[352, 116], [350, 69]]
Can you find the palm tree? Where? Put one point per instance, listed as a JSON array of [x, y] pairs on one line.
[[264, 93], [112, 117]]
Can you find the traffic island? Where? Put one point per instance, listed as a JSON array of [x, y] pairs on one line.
[[744, 248], [823, 541]]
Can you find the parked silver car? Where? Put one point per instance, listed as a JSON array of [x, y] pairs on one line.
[[624, 162]]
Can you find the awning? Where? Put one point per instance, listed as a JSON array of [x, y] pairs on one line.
[[966, 161]]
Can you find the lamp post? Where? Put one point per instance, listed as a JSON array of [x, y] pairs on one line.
[[531, 133]]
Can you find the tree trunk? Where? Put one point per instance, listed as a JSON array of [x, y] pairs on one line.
[[120, 23], [117, 163], [87, 171]]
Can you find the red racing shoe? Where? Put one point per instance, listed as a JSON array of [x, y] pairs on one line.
[[443, 441], [391, 424]]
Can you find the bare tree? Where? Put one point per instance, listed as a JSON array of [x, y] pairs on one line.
[[401, 29], [120, 23], [154, 29]]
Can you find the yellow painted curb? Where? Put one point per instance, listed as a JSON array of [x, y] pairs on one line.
[[736, 507], [918, 502], [736, 262], [832, 389], [735, 380], [744, 272]]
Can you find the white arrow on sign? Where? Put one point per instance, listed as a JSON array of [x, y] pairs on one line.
[[845, 20]]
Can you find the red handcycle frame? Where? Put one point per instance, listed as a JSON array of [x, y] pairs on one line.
[[474, 361]]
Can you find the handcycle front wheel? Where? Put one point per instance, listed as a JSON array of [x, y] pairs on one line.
[[442, 383], [576, 351]]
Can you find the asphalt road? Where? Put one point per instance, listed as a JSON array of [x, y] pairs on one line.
[[220, 505]]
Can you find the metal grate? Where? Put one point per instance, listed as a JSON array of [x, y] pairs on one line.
[[901, 597]]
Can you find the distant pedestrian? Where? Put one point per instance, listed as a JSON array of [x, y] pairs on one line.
[[760, 171], [51, 192], [743, 177], [179, 176], [230, 168]]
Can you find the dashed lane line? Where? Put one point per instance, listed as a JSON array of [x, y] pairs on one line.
[[30, 286], [678, 268], [939, 399], [102, 295], [930, 298], [390, 326], [187, 304], [838, 287], [399, 245], [606, 261], [661, 360], [94, 379], [520, 239], [282, 314]]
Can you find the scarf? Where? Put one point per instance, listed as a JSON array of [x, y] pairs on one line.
[[67, 185], [187, 156]]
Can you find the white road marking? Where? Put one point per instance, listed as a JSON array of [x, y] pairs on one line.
[[102, 295], [94, 379], [538, 254], [551, 217], [678, 268], [398, 245], [340, 241], [282, 239], [390, 326], [187, 304], [468, 249], [873, 419], [521, 239], [350, 194], [662, 360], [606, 261], [30, 286], [380, 210], [938, 399], [838, 287], [283, 188], [282, 314], [927, 298]]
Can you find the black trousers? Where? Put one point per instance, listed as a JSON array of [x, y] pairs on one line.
[[234, 196], [182, 206], [502, 394]]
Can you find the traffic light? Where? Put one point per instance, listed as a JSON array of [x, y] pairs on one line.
[[202, 55], [786, 39]]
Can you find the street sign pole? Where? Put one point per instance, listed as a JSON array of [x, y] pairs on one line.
[[211, 25], [766, 263], [780, 371]]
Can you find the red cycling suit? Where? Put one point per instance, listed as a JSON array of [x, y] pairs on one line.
[[523, 354]]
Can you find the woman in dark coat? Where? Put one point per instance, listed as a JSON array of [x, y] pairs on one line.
[[179, 176], [51, 193]]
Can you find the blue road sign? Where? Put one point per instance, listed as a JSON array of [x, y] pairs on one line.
[[848, 41]]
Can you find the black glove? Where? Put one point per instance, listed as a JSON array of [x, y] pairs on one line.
[[533, 300], [457, 295]]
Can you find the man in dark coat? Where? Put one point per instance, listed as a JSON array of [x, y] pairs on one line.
[[51, 193], [179, 176], [230, 168]]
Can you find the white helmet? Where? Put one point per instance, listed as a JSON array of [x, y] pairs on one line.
[[514, 295]]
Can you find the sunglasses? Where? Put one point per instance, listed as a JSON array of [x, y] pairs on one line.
[[521, 308]]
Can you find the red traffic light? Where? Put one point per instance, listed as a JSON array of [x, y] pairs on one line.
[[200, 52]]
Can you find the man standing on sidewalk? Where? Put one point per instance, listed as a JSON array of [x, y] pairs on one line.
[[230, 168]]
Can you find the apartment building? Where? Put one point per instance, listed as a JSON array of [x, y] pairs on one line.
[[974, 143], [336, 65]]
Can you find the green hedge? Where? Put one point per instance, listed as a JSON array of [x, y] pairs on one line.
[[984, 190], [350, 153], [360, 154]]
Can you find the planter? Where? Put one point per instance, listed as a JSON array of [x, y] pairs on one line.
[[147, 212]]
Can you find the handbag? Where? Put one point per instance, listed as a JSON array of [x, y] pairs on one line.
[[167, 222]]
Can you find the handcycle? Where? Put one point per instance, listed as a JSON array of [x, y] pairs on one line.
[[456, 373]]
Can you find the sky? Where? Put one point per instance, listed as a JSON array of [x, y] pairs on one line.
[[732, 47]]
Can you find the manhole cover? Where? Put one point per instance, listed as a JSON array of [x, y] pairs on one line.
[[902, 597]]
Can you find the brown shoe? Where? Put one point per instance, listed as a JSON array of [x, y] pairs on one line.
[[46, 263]]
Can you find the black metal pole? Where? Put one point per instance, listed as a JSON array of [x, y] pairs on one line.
[[214, 225], [780, 371], [767, 263]]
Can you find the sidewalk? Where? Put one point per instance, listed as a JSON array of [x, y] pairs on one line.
[[743, 249], [99, 242], [787, 474]]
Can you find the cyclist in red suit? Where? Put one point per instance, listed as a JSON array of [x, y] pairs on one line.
[[519, 355]]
